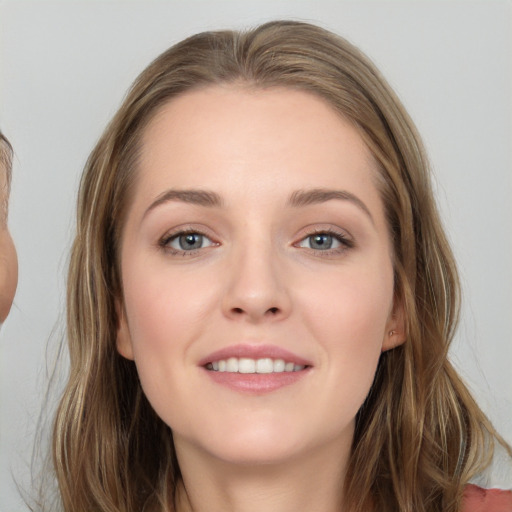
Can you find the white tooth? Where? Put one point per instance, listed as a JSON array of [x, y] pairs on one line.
[[288, 367], [222, 365], [298, 367], [279, 365], [246, 365], [264, 365], [215, 365], [232, 365]]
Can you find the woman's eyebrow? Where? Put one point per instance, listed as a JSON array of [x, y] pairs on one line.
[[321, 195], [297, 199], [191, 196]]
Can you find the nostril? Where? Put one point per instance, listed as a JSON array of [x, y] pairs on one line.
[[255, 312]]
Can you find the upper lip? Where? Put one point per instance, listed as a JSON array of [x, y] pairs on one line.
[[254, 352]]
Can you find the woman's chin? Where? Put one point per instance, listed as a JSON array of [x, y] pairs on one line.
[[246, 449]]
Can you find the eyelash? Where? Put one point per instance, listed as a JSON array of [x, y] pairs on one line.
[[345, 242], [169, 237]]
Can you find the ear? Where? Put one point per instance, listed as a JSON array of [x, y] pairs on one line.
[[395, 333], [123, 339]]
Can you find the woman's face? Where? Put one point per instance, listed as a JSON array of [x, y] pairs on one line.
[[8, 258], [257, 274]]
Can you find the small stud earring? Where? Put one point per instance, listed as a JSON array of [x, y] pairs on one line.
[[392, 333]]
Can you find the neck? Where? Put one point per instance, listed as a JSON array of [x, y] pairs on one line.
[[313, 481]]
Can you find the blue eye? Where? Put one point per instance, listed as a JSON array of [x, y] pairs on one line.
[[325, 241], [186, 242], [321, 241]]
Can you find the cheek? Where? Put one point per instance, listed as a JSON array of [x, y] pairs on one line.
[[8, 273], [348, 313], [167, 311], [164, 303], [356, 301]]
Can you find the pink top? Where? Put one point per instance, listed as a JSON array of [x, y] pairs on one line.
[[477, 499]]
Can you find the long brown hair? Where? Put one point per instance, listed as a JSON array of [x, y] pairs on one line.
[[419, 436]]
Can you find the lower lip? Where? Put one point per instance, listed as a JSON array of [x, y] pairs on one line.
[[256, 383]]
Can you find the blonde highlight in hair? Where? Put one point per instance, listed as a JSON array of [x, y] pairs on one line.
[[419, 436], [5, 177]]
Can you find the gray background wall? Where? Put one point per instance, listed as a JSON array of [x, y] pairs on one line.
[[64, 67]]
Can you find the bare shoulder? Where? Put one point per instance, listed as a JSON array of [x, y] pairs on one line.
[[478, 499]]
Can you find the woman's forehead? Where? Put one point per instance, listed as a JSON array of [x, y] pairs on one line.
[[253, 148], [221, 127]]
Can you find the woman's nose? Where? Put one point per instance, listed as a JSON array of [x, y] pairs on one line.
[[255, 288]]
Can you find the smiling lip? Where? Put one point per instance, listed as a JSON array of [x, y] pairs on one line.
[[255, 383]]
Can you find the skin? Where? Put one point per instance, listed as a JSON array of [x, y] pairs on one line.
[[258, 278], [8, 259]]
